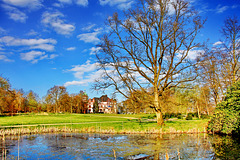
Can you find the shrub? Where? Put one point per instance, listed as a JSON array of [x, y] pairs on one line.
[[195, 114], [166, 116], [171, 115], [179, 116], [189, 116], [204, 116], [152, 116], [226, 118]]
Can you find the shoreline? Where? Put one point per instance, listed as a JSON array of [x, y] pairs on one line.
[[46, 130]]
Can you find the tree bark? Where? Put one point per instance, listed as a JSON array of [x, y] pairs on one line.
[[159, 118], [198, 110], [157, 108]]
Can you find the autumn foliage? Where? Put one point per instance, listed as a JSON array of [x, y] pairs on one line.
[[57, 100]]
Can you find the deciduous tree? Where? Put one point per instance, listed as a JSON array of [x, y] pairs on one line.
[[230, 50], [152, 46], [54, 94], [95, 107], [32, 101]]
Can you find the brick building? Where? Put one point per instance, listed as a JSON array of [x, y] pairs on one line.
[[105, 104]]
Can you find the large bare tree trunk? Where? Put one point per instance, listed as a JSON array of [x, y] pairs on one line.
[[198, 110], [159, 118], [157, 108]]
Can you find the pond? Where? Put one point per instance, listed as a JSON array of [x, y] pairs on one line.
[[103, 146]]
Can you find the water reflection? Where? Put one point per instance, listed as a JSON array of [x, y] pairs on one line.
[[226, 147], [98, 146]]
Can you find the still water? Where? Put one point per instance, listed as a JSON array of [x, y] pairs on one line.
[[99, 146]]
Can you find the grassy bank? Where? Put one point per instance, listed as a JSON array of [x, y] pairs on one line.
[[96, 123]]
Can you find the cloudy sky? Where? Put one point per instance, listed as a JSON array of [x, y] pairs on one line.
[[53, 42]]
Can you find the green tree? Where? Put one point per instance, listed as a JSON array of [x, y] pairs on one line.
[[95, 107], [32, 102], [226, 119]]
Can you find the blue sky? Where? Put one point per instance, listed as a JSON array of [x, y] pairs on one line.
[[52, 42]]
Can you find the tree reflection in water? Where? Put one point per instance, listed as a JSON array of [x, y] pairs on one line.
[[100, 146], [226, 147]]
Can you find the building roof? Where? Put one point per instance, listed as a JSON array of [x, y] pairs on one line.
[[103, 98]]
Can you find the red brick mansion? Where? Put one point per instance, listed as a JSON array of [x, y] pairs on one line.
[[105, 104]]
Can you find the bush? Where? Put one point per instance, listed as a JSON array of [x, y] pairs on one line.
[[189, 116], [195, 114], [152, 116], [172, 115], [226, 119], [166, 116], [204, 116], [179, 116]]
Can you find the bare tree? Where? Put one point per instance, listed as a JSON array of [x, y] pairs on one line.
[[210, 70], [54, 95], [230, 50], [150, 47]]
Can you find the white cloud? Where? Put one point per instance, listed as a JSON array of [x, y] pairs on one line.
[[58, 5], [15, 14], [90, 37], [79, 70], [46, 47], [88, 27], [89, 72], [5, 58], [86, 73], [31, 4], [82, 2], [221, 9], [61, 3], [52, 56], [90, 78], [94, 50], [71, 48], [2, 31], [193, 54], [74, 83], [55, 21], [217, 43], [121, 4], [32, 33], [65, 1], [44, 44], [35, 56]]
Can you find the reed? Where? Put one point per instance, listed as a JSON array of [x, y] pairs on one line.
[[92, 129]]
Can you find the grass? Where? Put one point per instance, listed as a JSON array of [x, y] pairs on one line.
[[101, 123], [57, 118]]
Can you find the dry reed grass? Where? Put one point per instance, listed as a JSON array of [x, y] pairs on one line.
[[41, 130]]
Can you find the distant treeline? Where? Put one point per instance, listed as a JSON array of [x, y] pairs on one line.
[[57, 100]]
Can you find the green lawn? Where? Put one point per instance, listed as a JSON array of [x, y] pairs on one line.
[[57, 118], [105, 122]]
